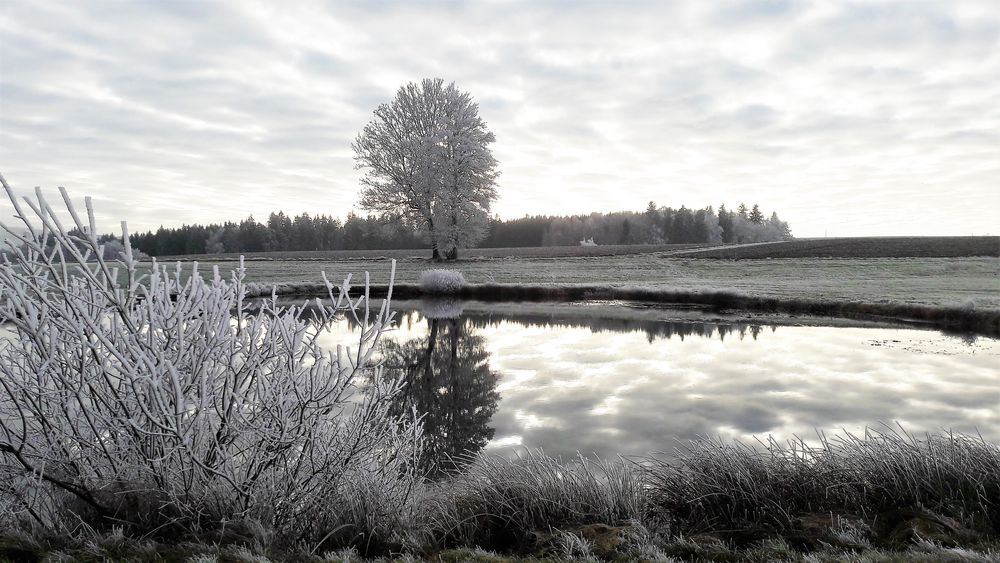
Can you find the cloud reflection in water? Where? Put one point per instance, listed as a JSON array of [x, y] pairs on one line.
[[568, 383]]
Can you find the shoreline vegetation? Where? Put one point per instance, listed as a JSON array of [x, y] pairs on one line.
[[884, 495], [985, 322]]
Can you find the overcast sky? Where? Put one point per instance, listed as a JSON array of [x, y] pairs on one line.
[[848, 118]]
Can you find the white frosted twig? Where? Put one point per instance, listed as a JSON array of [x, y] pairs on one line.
[[122, 385]]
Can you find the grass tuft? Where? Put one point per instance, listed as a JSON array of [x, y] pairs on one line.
[[946, 485], [498, 503]]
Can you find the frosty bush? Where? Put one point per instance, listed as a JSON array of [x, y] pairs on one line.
[[161, 402], [441, 281]]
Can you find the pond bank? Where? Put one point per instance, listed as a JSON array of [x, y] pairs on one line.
[[884, 495], [922, 281], [957, 318]]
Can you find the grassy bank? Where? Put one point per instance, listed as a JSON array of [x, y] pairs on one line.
[[881, 496], [945, 271], [965, 318], [924, 281]]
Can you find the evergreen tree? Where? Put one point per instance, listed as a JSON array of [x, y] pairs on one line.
[[282, 232], [726, 222]]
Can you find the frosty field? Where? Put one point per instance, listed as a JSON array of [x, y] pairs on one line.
[[928, 281]]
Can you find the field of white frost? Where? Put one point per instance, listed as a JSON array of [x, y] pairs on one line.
[[926, 281]]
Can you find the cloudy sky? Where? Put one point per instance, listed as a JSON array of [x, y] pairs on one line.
[[848, 118]]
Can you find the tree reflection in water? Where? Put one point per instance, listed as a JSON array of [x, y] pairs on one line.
[[446, 371], [447, 379], [653, 329]]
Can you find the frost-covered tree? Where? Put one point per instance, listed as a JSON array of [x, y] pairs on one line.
[[756, 217], [726, 223], [711, 226], [426, 157], [468, 174], [744, 230], [214, 244], [776, 229]]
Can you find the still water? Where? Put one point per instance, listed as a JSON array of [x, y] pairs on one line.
[[566, 380], [604, 380]]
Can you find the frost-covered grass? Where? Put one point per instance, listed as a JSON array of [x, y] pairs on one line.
[[922, 281], [424, 254], [861, 247], [563, 547], [885, 476], [961, 317], [881, 496], [498, 502], [965, 317], [441, 282]]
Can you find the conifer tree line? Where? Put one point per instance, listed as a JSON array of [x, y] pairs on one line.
[[281, 232]]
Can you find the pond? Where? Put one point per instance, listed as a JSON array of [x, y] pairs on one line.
[[605, 380]]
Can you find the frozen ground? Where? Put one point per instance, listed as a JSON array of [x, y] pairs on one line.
[[931, 281]]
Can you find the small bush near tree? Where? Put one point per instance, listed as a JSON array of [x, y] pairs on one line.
[[441, 281]]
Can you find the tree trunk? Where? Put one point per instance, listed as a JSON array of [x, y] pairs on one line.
[[435, 253], [453, 236]]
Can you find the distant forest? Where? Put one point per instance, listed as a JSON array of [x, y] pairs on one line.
[[655, 225]]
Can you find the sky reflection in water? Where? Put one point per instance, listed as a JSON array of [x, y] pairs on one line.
[[567, 383], [569, 378]]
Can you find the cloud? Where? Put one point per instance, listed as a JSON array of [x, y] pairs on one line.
[[847, 118]]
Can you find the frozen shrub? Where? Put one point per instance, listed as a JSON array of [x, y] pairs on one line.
[[441, 281], [163, 402]]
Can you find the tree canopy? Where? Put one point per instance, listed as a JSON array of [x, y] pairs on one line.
[[427, 159]]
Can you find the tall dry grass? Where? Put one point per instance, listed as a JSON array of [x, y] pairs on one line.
[[497, 502], [713, 485]]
